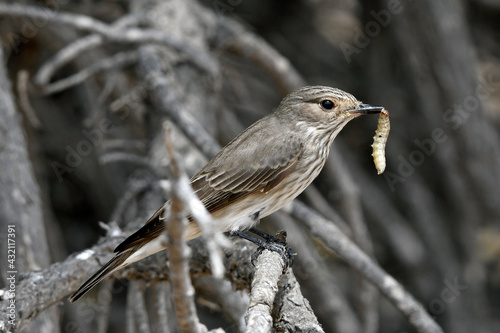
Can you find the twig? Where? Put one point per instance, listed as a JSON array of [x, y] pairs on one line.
[[24, 100], [21, 210], [73, 50], [135, 185], [231, 36], [131, 322], [268, 271], [279, 295], [233, 304], [104, 307], [333, 238], [213, 238], [166, 102], [160, 293], [179, 252], [319, 203], [118, 60], [117, 157], [406, 245], [124, 35], [136, 302], [351, 203]]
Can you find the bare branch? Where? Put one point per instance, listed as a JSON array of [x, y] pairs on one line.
[[276, 302], [268, 271], [137, 306], [165, 101], [161, 292], [213, 238], [294, 312], [233, 37], [39, 290], [351, 206], [118, 60], [179, 252], [21, 213], [104, 309], [115, 157], [233, 304], [333, 238], [319, 203], [330, 300], [24, 100], [126, 35], [73, 50]]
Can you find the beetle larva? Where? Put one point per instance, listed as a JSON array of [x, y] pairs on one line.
[[379, 141]]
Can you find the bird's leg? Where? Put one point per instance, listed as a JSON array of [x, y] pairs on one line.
[[279, 239], [270, 243]]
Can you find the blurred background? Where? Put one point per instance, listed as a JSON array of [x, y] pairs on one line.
[[90, 148]]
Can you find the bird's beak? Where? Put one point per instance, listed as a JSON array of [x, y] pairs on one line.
[[366, 109]]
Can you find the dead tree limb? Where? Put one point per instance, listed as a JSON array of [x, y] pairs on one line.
[[391, 289], [179, 252], [268, 270], [124, 35], [24, 240]]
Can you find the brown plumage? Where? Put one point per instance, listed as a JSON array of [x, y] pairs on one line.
[[261, 170]]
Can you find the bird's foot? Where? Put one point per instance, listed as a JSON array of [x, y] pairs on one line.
[[276, 244]]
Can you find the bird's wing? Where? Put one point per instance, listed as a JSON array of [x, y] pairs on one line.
[[217, 185], [255, 160], [243, 168], [153, 228]]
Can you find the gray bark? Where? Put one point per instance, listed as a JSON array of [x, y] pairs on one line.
[[23, 237]]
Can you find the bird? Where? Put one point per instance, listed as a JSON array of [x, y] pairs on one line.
[[257, 173]]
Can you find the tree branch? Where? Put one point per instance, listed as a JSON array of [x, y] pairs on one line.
[[73, 50], [166, 101], [23, 235], [122, 35], [118, 60], [233, 37], [268, 270], [293, 312], [178, 250], [354, 256]]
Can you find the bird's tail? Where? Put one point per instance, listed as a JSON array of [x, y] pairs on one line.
[[126, 254], [114, 264], [141, 244]]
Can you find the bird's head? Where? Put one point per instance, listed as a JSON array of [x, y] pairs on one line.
[[323, 107]]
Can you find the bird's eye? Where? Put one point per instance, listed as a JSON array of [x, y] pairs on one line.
[[327, 104]]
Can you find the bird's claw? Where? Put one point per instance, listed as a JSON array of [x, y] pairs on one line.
[[278, 246], [274, 244]]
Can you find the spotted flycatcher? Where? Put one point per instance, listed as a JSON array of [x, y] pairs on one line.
[[260, 171]]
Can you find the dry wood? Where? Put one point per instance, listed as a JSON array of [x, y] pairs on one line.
[[135, 65]]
